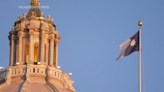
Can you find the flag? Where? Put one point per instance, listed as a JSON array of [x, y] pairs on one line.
[[129, 46]]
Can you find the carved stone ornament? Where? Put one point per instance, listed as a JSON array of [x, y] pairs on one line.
[[43, 24], [32, 14], [48, 17], [56, 41], [31, 23], [24, 15], [31, 32], [13, 29], [41, 14]]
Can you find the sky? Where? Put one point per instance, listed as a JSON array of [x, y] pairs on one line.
[[91, 32]]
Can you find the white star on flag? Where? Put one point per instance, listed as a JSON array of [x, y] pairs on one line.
[[133, 42]]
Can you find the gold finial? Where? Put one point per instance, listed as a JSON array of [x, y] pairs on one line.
[[52, 20], [32, 15], [18, 17], [24, 15], [35, 2], [41, 14], [140, 23], [48, 17]]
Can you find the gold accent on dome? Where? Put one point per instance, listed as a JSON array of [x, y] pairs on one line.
[[35, 2], [41, 18], [34, 8]]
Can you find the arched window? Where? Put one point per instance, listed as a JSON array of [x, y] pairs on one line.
[[27, 51], [35, 52]]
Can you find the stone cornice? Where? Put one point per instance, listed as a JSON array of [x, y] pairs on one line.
[[43, 35], [32, 23], [58, 37], [43, 27], [12, 37], [31, 27], [36, 18], [51, 36], [56, 32], [31, 32], [19, 28], [36, 35], [20, 33], [57, 41], [11, 32]]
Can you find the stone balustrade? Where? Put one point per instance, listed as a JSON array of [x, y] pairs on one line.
[[3, 74], [56, 73], [68, 82], [37, 70], [60, 76], [18, 71], [38, 74]]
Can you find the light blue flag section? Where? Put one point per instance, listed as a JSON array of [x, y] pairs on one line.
[[123, 48]]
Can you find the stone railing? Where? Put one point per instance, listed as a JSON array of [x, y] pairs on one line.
[[55, 74], [36, 74], [3, 74], [68, 82], [60, 76], [37, 70], [18, 71]]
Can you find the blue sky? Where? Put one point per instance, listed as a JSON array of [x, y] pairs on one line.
[[91, 32]]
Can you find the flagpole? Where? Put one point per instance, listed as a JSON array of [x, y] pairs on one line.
[[139, 24]]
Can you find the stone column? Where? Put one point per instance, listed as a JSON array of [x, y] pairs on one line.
[[56, 47], [42, 48], [23, 51], [47, 52], [51, 50], [20, 47], [31, 46], [12, 50], [17, 58], [9, 56], [57, 39]]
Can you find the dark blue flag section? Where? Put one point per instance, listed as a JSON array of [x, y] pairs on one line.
[[129, 46]]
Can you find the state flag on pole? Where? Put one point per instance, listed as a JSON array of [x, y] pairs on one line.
[[129, 46]]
